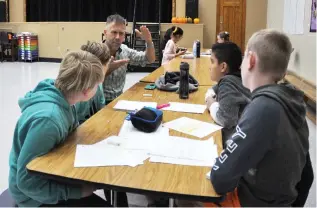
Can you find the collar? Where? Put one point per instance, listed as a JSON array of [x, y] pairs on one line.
[[119, 51]]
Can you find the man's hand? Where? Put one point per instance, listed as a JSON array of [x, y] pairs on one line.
[[210, 100], [115, 64], [144, 33]]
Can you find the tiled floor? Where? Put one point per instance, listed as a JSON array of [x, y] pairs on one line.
[[18, 78]]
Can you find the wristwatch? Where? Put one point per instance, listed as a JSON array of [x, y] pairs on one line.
[[150, 45]]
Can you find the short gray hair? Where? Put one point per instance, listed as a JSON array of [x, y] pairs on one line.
[[116, 18], [273, 49]]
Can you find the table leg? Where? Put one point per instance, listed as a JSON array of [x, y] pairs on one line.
[[111, 197], [171, 202], [114, 199]]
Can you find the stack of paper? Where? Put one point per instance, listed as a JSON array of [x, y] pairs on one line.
[[133, 105], [182, 151], [131, 138], [184, 107], [193, 127], [132, 147], [108, 154]]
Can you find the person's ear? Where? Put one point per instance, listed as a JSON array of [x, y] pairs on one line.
[[252, 60], [224, 68], [86, 92]]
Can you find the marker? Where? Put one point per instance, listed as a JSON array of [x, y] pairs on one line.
[[163, 106], [147, 95]]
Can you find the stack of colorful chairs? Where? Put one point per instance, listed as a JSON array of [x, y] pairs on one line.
[[28, 47]]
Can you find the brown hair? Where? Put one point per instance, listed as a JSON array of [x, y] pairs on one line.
[[79, 71], [100, 50], [273, 49], [224, 35]]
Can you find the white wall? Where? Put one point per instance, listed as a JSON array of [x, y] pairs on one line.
[[303, 60]]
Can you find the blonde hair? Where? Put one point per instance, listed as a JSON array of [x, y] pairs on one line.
[[273, 49], [79, 71], [100, 50]]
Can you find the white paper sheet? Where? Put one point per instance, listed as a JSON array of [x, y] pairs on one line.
[[107, 155], [184, 107], [183, 148], [192, 127], [300, 16], [134, 143], [132, 148], [182, 151], [191, 56], [294, 16], [133, 105]]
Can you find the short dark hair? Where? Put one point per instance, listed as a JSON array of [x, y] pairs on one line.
[[230, 54], [116, 18], [224, 35]]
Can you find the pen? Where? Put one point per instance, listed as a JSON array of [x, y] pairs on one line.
[[163, 106]]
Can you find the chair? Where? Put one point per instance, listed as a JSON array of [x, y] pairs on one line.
[[3, 41], [7, 45], [1, 48], [305, 184], [6, 200]]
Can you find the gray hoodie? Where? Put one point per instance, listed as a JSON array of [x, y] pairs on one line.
[[265, 157], [232, 97]]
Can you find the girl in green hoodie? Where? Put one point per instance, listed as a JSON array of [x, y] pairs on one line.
[[48, 117]]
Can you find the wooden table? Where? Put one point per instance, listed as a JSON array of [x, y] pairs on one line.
[[174, 181], [308, 88], [199, 68]]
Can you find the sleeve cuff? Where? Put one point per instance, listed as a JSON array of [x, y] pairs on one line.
[[213, 109], [210, 92]]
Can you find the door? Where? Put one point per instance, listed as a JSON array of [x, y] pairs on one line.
[[231, 18]]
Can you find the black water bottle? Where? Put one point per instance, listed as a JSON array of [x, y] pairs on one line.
[[198, 49], [184, 81]]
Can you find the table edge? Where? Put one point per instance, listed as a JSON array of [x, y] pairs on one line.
[[128, 189]]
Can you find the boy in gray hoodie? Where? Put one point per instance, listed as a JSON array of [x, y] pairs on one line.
[[265, 157], [226, 100]]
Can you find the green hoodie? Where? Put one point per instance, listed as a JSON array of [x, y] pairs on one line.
[[46, 121], [87, 109]]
